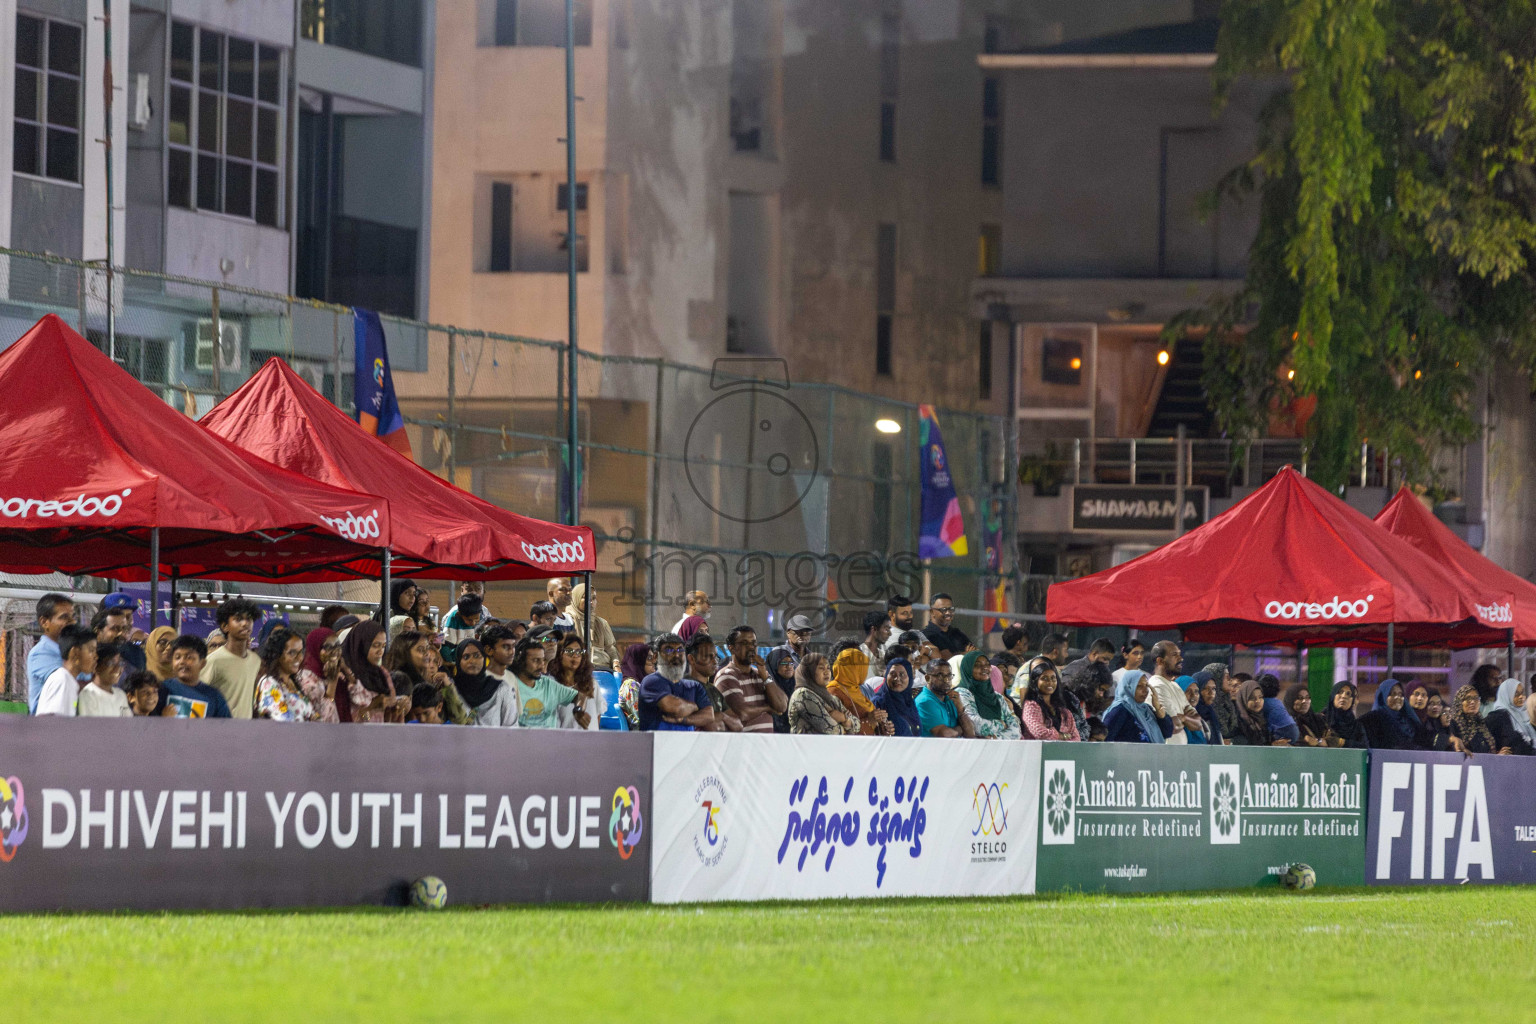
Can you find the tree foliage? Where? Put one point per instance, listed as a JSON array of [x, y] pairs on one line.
[[1393, 261]]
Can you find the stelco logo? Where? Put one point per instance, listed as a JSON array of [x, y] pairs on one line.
[[79, 505], [355, 527], [1334, 609], [556, 551]]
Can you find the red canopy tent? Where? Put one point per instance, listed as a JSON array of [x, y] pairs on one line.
[[1406, 516], [440, 531], [103, 478], [1289, 564]]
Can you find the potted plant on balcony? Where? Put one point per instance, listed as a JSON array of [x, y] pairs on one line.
[[1043, 472]]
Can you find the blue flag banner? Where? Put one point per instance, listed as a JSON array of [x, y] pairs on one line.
[[378, 411], [942, 534]]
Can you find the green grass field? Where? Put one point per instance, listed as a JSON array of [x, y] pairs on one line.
[[1456, 954]]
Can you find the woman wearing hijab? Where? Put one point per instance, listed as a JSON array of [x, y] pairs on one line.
[[1417, 695], [1469, 733], [1508, 722], [814, 710], [690, 625], [990, 715], [488, 700], [1128, 720], [1226, 702], [1210, 689], [897, 700], [1437, 723], [848, 673], [781, 662], [1043, 716], [372, 693], [1252, 725], [1391, 723], [320, 671], [637, 662], [1313, 727], [157, 652], [1202, 735], [1341, 717]]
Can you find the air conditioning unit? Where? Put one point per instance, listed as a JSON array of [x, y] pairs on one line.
[[230, 352], [313, 373]]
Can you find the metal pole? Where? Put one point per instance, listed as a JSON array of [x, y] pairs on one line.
[[586, 612], [573, 455], [106, 85], [154, 580], [453, 358], [1391, 638], [1511, 635], [175, 602], [384, 591], [655, 527], [1179, 461]]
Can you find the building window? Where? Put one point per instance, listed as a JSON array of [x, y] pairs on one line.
[[390, 29], [520, 224], [885, 296], [989, 244], [991, 130], [48, 69], [984, 349], [532, 23], [890, 80], [224, 130]]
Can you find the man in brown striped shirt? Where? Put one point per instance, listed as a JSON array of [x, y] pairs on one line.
[[743, 682]]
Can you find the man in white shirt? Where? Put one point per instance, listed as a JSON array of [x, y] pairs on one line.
[[1167, 659], [696, 602], [61, 690], [558, 591]]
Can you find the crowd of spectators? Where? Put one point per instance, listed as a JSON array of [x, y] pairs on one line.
[[894, 679]]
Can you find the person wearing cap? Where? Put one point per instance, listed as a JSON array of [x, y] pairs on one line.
[[785, 659], [114, 624]]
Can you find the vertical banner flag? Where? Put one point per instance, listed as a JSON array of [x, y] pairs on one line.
[[378, 411], [995, 598], [942, 534]]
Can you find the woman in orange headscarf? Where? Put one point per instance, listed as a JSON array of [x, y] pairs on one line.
[[849, 670]]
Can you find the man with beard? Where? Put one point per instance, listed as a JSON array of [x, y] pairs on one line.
[[1167, 661], [668, 699], [899, 608]]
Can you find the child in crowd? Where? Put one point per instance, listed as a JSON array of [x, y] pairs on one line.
[[143, 692], [426, 705], [100, 698], [190, 697], [61, 690]]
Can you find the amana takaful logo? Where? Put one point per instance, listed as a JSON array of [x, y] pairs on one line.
[[626, 824], [13, 816], [1226, 805], [1058, 804]]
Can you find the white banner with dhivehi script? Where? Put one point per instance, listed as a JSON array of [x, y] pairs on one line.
[[805, 817]]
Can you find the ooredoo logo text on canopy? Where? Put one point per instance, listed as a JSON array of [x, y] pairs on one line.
[[556, 552], [355, 527], [80, 505], [1334, 608]]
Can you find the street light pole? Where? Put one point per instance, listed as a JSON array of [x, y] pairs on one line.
[[573, 460]]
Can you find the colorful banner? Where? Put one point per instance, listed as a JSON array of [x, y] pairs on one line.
[[1148, 818], [378, 411], [227, 814], [1449, 819], [942, 534], [807, 817]]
